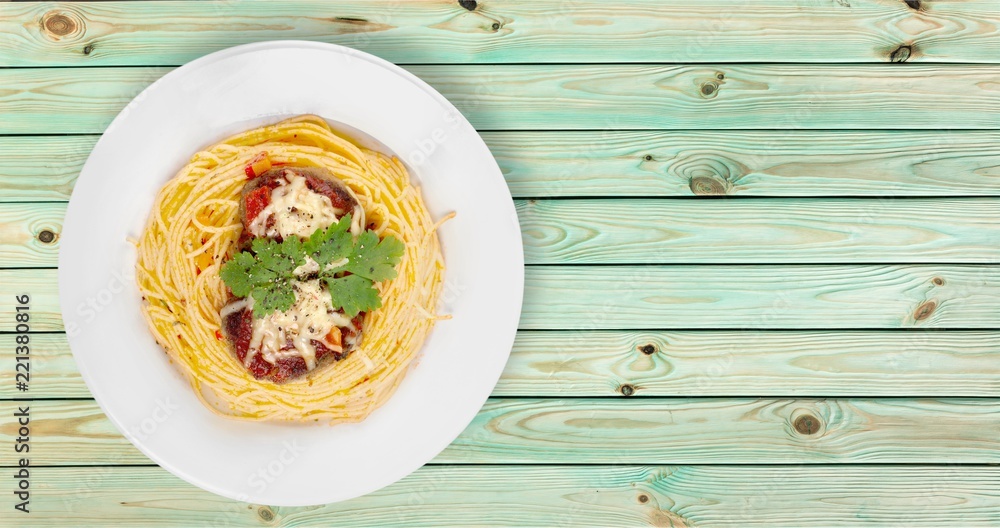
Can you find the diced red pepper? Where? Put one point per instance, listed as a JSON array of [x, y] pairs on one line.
[[218, 335], [256, 201], [257, 166]]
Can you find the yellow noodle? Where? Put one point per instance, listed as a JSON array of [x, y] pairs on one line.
[[182, 305]]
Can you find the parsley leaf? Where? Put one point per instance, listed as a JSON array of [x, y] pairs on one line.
[[374, 259], [281, 258], [279, 295], [267, 271], [330, 244], [353, 293], [236, 273]]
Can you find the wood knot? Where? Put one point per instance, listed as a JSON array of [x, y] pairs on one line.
[[912, 4], [59, 24], [468, 4], [938, 281], [648, 157], [626, 390], [46, 237], [266, 514], [720, 76], [649, 349], [88, 49], [707, 186], [62, 25], [709, 89], [707, 174], [901, 54], [807, 424], [924, 310], [496, 26], [643, 498]]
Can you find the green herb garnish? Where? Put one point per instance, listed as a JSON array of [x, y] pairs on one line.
[[348, 266]]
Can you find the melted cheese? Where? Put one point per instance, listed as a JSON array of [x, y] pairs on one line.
[[311, 317], [309, 267], [296, 210], [237, 306]]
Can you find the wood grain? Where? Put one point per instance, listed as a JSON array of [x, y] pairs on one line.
[[566, 163], [696, 363], [40, 286], [681, 297], [760, 163], [622, 431], [783, 230], [771, 352], [41, 168], [772, 363], [747, 297], [666, 496], [123, 33], [665, 231], [604, 97], [53, 371], [29, 233]]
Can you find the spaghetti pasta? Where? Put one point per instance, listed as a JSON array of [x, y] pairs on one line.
[[194, 226]]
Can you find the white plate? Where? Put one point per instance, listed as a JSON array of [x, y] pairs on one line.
[[146, 397]]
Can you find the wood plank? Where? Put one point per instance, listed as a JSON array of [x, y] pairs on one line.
[[40, 286], [29, 233], [693, 297], [677, 496], [578, 163], [602, 97], [769, 230], [41, 168], [627, 431], [762, 297], [772, 363], [122, 33], [696, 363], [52, 368], [665, 231], [760, 163]]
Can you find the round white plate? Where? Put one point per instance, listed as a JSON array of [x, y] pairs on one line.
[[144, 394]]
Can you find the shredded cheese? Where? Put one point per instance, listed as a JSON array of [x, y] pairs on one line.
[[296, 210], [310, 318]]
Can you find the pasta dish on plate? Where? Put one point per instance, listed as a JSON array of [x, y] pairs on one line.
[[291, 274]]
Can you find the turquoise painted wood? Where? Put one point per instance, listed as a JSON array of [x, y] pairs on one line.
[[505, 31], [762, 285], [600, 97], [616, 231], [620, 495], [554, 164]]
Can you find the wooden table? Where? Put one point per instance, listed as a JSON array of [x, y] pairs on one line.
[[762, 243]]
